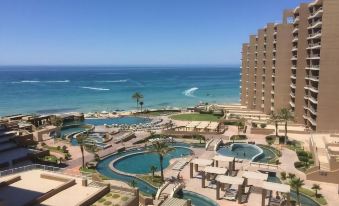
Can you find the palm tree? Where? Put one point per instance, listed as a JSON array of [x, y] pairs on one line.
[[161, 148], [81, 141], [316, 187], [297, 183], [285, 115], [133, 183], [240, 123], [274, 118], [141, 104], [153, 168], [137, 97]]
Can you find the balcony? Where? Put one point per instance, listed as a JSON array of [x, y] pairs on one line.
[[292, 104], [294, 58], [296, 20], [293, 67], [295, 30], [314, 35], [262, 106], [295, 39], [293, 86], [314, 46], [292, 95], [272, 91], [312, 99], [314, 56], [272, 100], [316, 13], [315, 24], [312, 78], [294, 48], [313, 89], [314, 67], [293, 76], [312, 121]]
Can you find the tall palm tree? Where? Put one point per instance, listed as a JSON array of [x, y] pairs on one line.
[[316, 188], [141, 104], [161, 148], [240, 123], [137, 97], [297, 183], [275, 118], [153, 168], [285, 115], [81, 141]]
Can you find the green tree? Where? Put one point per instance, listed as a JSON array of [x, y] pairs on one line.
[[291, 175], [316, 188], [283, 175], [81, 141], [161, 148], [137, 97], [285, 115], [153, 169], [240, 124], [275, 118], [141, 104], [297, 183], [199, 137], [133, 183]]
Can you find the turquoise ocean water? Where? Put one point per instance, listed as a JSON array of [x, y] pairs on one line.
[[41, 89]]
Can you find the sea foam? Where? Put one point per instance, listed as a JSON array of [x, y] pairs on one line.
[[114, 81], [96, 88], [190, 92]]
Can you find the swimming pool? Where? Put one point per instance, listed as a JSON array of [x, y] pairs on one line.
[[197, 199], [247, 151], [126, 120], [104, 169], [140, 163]]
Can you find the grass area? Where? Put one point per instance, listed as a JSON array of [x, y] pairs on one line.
[[50, 158], [87, 170], [156, 181], [311, 194], [160, 112], [238, 137], [196, 117]]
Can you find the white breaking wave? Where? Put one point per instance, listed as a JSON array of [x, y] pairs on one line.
[[114, 81], [36, 81], [59, 81], [190, 92], [96, 88]]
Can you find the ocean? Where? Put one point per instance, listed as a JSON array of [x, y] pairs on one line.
[[54, 89]]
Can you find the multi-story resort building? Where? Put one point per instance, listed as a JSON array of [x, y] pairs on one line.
[[294, 64]]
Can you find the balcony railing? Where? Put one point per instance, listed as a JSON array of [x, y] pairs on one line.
[[315, 35], [293, 76], [311, 88], [294, 58], [314, 56], [314, 46], [292, 104], [295, 30], [293, 86], [312, 121], [292, 95], [316, 13], [312, 78], [315, 24], [313, 67]]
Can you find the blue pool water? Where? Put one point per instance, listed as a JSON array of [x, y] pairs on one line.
[[127, 120], [197, 199], [141, 163]]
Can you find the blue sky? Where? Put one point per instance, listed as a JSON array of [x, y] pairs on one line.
[[131, 32]]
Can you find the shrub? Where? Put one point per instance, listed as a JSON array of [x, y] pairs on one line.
[[302, 153], [283, 175], [303, 158], [238, 137], [102, 200], [254, 125], [58, 147], [263, 125], [298, 164], [115, 196], [311, 162], [124, 198], [108, 203]]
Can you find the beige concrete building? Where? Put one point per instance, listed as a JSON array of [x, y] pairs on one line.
[[295, 64]]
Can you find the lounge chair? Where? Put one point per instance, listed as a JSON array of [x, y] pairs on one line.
[[231, 193]]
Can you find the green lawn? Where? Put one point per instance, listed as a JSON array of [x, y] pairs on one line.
[[321, 200], [196, 117]]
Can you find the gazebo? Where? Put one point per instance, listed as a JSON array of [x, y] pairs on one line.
[[199, 163], [256, 176], [224, 179], [271, 186], [222, 158], [211, 170]]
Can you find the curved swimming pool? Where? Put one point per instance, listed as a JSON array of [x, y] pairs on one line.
[[247, 151], [197, 199], [140, 163]]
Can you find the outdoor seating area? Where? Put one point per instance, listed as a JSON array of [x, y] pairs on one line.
[[197, 126]]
